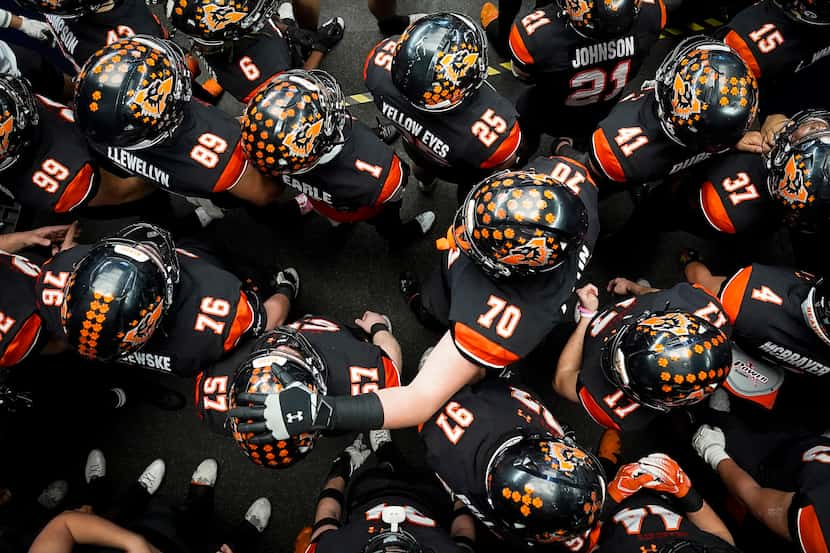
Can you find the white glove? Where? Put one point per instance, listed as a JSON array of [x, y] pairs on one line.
[[358, 452], [710, 444], [38, 30]]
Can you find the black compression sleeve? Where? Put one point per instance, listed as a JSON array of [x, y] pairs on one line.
[[363, 412]]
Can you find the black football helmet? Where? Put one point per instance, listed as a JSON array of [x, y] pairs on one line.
[[816, 310], [280, 359], [439, 61], [799, 168], [667, 359], [68, 9], [212, 24], [520, 223], [600, 19], [393, 539], [18, 119], [133, 93], [545, 489], [812, 12], [707, 98], [118, 293], [292, 123]]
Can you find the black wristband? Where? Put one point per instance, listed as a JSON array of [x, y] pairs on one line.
[[692, 502], [375, 328], [325, 522], [465, 542], [461, 511], [363, 412], [331, 493], [340, 467]]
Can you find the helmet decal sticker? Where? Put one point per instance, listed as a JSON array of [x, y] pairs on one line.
[[534, 252], [151, 100], [792, 188], [142, 330], [217, 16], [6, 128]]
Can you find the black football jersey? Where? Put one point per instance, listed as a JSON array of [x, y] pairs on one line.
[[80, 38], [41, 73], [204, 157], [576, 70], [495, 323], [773, 45], [647, 522], [734, 197], [209, 315], [21, 326], [604, 401], [365, 174], [255, 61], [767, 308], [60, 173], [481, 133], [630, 146], [354, 367]]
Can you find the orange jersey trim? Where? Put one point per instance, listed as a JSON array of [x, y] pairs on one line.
[[482, 349], [23, 342], [77, 191], [197, 393], [732, 294], [390, 370], [369, 59], [595, 411], [810, 535], [714, 210], [606, 158], [241, 323], [393, 183], [663, 17], [233, 170], [518, 46], [213, 87], [738, 44], [506, 149]]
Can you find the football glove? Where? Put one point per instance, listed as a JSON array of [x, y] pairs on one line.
[[710, 444], [668, 476], [630, 479], [293, 411]]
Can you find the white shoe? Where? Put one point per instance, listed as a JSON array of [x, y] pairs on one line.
[[719, 401], [53, 494], [96, 466], [259, 513], [426, 220], [424, 357], [152, 476], [379, 437], [205, 474], [291, 278]]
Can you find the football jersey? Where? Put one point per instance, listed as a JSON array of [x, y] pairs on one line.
[[481, 133], [647, 522], [204, 157], [364, 175], [354, 367], [604, 401], [576, 70], [495, 323], [630, 146], [767, 308], [734, 197], [772, 44], [59, 173], [21, 326], [209, 315], [462, 437], [81, 37], [255, 61], [41, 73]]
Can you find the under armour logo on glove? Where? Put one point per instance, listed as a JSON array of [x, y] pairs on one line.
[[278, 416], [294, 417]]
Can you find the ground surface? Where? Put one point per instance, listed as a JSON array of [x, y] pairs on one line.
[[339, 280]]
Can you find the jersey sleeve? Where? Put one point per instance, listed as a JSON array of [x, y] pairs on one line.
[[45, 78], [520, 54], [393, 186], [243, 322], [805, 522], [212, 386], [479, 349], [506, 149], [20, 340], [379, 59], [732, 293], [737, 43], [604, 158]]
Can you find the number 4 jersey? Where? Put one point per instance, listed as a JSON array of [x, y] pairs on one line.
[[354, 365], [209, 315], [21, 327]]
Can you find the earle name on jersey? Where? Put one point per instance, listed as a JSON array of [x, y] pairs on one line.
[[437, 145], [604, 51], [304, 188], [137, 165]]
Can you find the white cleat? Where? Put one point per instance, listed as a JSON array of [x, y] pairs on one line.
[[96, 465], [291, 278], [205, 474], [379, 437], [152, 476], [259, 513]]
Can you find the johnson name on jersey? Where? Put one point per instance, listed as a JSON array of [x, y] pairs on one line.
[[21, 327]]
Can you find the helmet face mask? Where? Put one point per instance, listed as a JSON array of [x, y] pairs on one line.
[[811, 12], [214, 25], [600, 19], [19, 119], [393, 539]]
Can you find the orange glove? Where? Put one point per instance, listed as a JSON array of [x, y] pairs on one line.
[[630, 479], [668, 476]]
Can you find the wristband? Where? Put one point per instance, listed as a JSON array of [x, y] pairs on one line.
[[377, 327], [461, 511], [325, 522], [692, 502], [584, 312], [331, 493], [340, 467], [5, 18], [360, 413], [465, 542]]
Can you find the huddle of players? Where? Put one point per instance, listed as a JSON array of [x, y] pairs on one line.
[[510, 262]]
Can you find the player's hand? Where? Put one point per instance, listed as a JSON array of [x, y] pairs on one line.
[[710, 443], [624, 287], [588, 297], [630, 479], [357, 452], [38, 30], [328, 35], [371, 318], [43, 236], [668, 476], [294, 410], [69, 238], [751, 142], [772, 125]]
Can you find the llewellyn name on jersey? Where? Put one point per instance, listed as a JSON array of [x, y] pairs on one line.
[[598, 53], [135, 164]]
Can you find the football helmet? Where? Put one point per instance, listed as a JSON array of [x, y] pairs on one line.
[[294, 122], [545, 489], [133, 93], [520, 223], [600, 19], [812, 12], [439, 61], [799, 168], [280, 358], [707, 97], [667, 359], [20, 117], [393, 539], [118, 293], [68, 9], [816, 309], [214, 23]]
